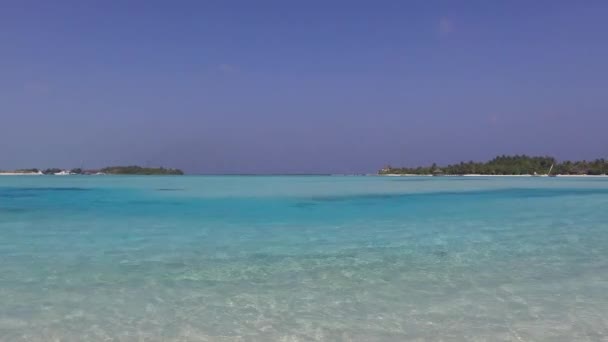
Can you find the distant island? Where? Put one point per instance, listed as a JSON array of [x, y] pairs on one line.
[[508, 166], [138, 170], [111, 170]]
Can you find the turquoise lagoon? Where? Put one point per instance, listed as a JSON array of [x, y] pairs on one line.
[[311, 258]]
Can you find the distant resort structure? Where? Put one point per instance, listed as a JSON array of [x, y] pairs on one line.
[[112, 170], [518, 165]]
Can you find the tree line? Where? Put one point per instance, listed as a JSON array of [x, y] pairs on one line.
[[138, 170], [509, 165], [113, 170]]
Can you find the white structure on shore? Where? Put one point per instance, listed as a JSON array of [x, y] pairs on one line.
[[13, 173]]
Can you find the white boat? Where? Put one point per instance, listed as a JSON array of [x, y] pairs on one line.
[[63, 173], [548, 173]]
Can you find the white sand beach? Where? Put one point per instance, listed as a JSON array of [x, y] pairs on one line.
[[21, 174]]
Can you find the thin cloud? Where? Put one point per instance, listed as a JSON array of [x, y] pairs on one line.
[[445, 26]]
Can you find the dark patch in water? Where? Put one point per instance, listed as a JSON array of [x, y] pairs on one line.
[[175, 264], [52, 189], [13, 210], [161, 203], [169, 189], [441, 254], [305, 205], [15, 195], [10, 192], [357, 197], [46, 189], [509, 193]]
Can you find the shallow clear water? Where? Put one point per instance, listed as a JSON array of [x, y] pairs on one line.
[[303, 258]]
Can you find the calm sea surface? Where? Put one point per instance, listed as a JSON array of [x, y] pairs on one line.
[[232, 258]]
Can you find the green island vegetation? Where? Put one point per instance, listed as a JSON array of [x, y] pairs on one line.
[[51, 171], [138, 170], [508, 165], [24, 171], [54, 170], [112, 170]]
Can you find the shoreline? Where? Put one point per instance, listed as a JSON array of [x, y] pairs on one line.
[[480, 175], [382, 175]]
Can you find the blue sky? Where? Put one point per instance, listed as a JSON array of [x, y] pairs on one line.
[[300, 86]]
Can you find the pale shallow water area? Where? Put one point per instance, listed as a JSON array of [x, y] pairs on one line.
[[236, 258]]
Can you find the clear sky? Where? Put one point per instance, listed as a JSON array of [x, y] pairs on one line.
[[300, 86]]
